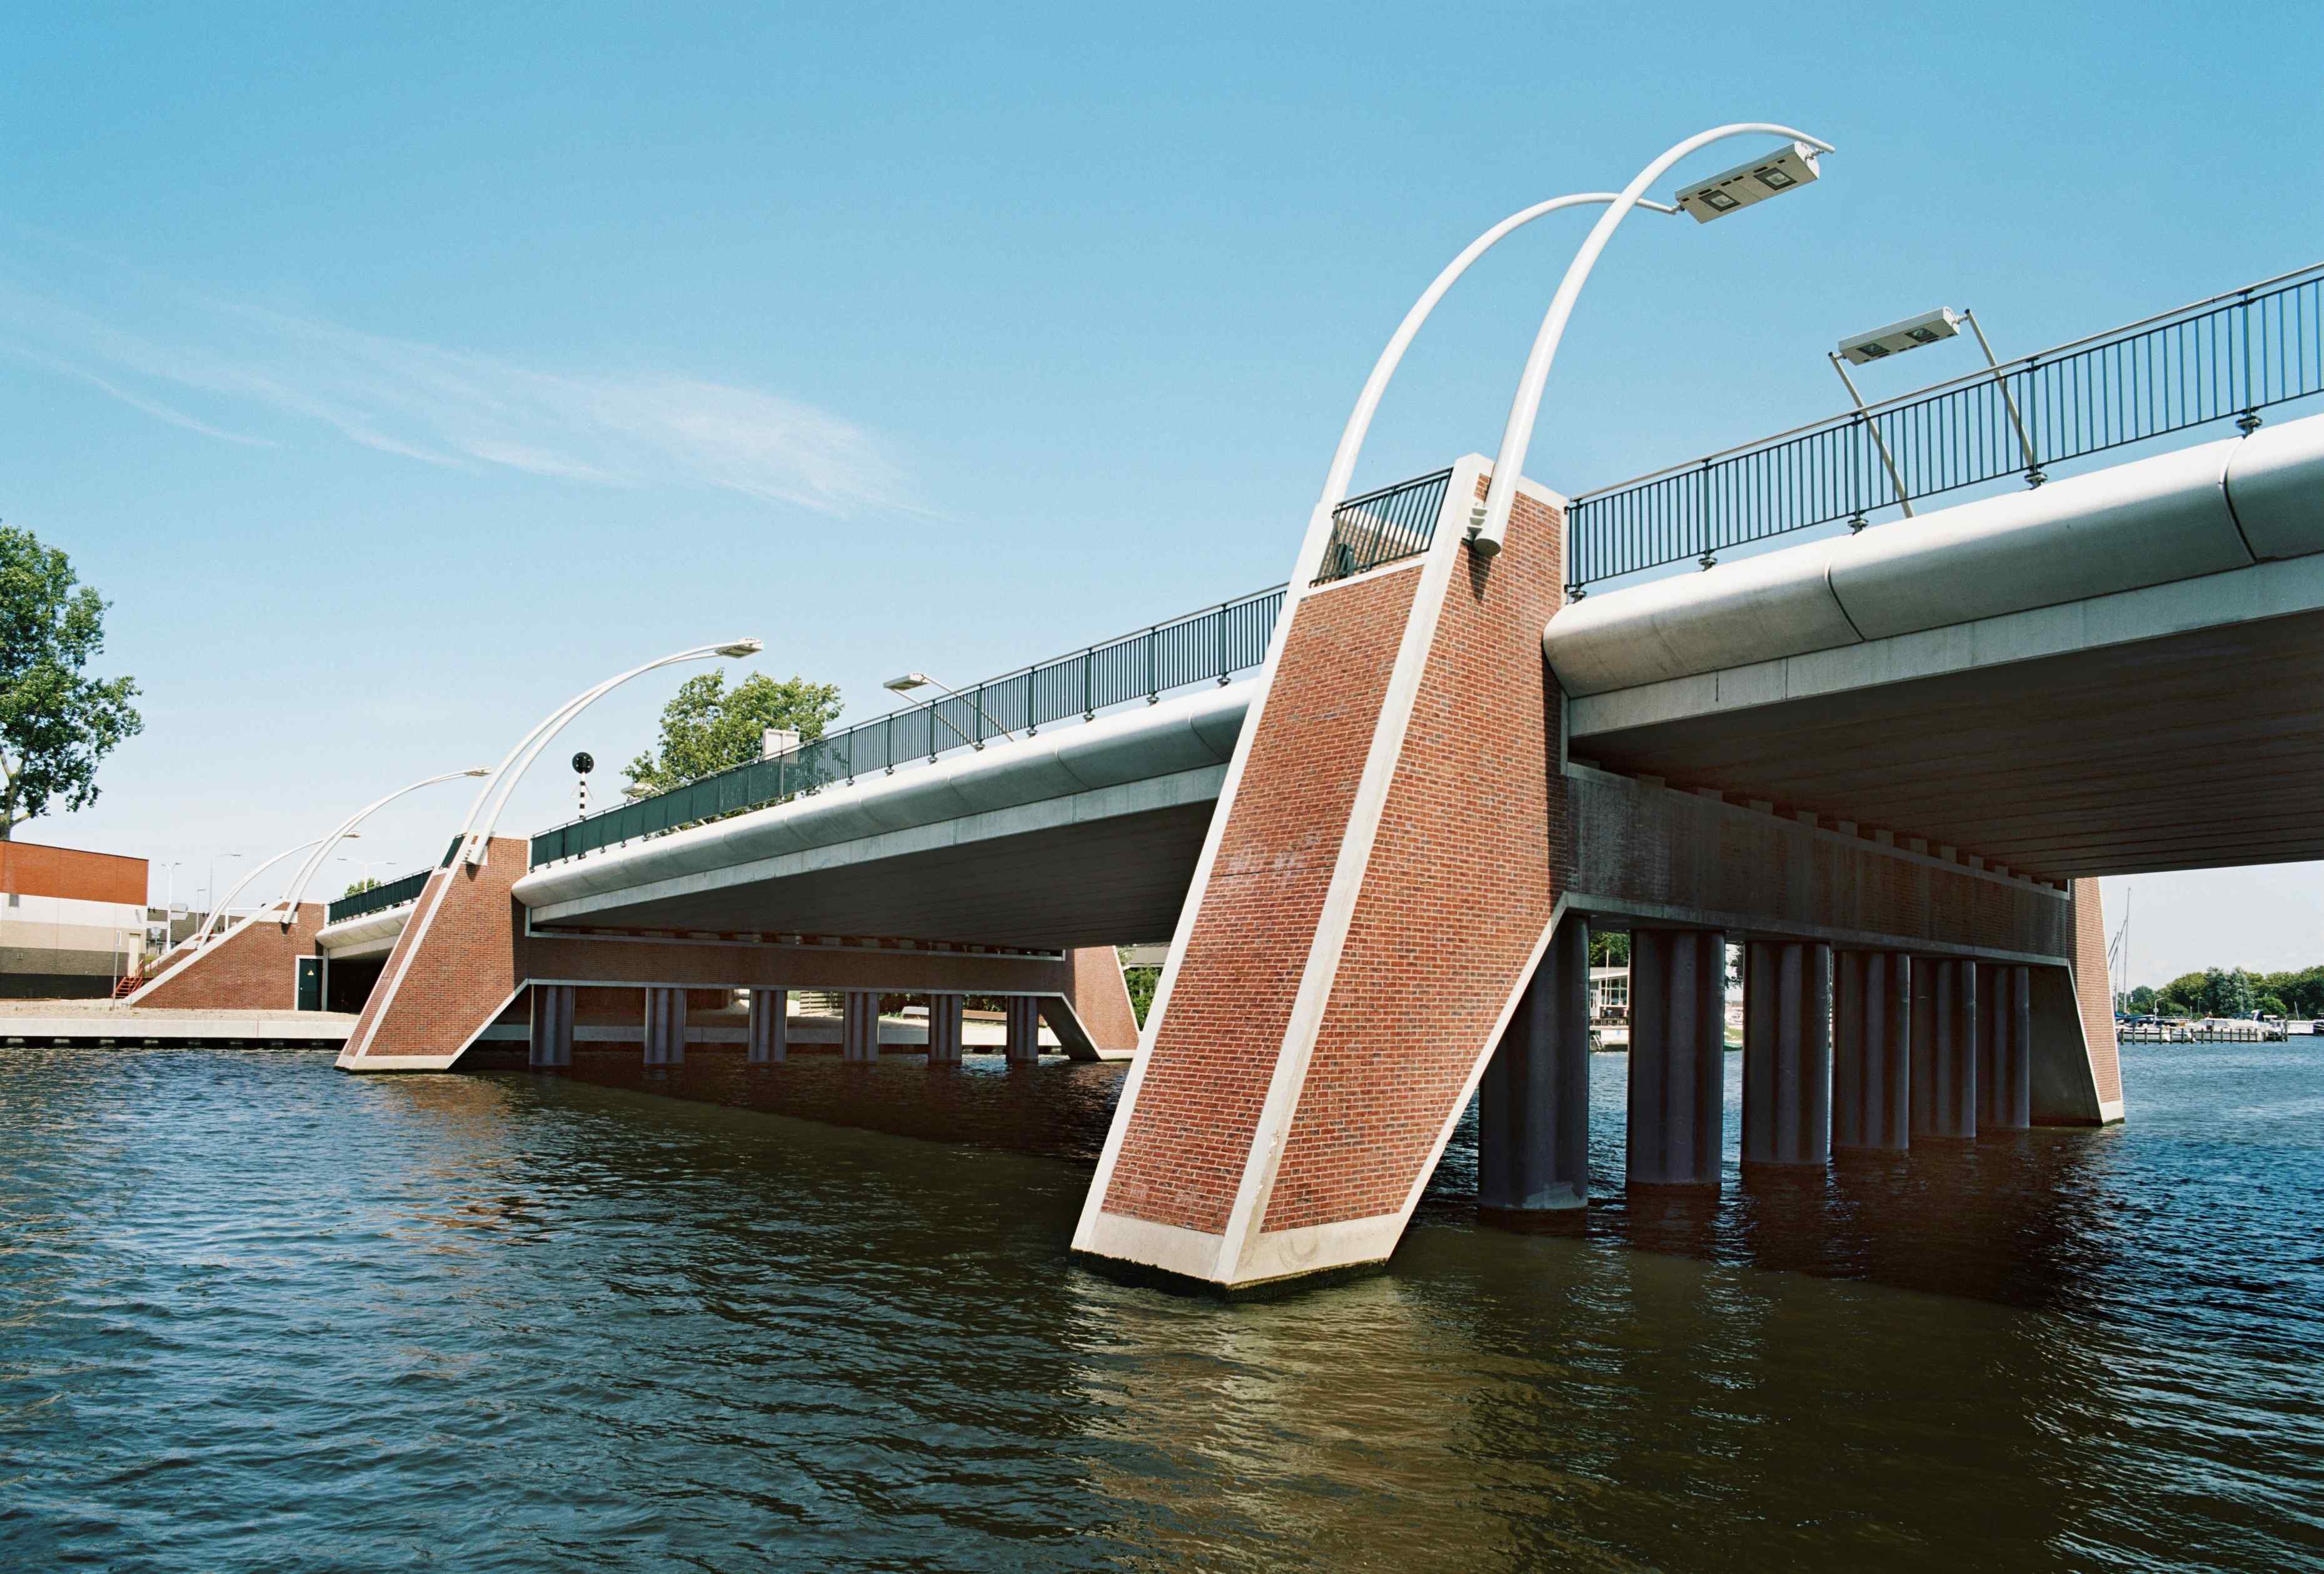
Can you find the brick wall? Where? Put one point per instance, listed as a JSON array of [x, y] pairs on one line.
[[1101, 999], [252, 969], [2094, 991], [1189, 1134], [453, 965], [1460, 887], [29, 869]]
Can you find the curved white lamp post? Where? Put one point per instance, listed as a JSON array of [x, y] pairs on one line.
[[218, 908], [1360, 420], [477, 830], [1493, 520], [322, 854]]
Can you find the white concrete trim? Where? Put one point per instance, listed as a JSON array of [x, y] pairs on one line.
[[1318, 1248], [2110, 1113], [2274, 588], [340, 939], [1264, 1160], [1294, 594], [1173, 1248]]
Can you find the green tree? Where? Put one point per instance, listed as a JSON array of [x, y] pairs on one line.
[[1609, 948], [707, 728], [368, 882], [57, 724], [2141, 1001], [2223, 993]]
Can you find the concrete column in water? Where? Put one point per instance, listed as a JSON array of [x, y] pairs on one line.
[[1944, 1049], [665, 1028], [944, 1029], [1871, 1062], [770, 1031], [1678, 1056], [1024, 1020], [1787, 1053], [858, 1032], [552, 1027], [1532, 1105], [2005, 1046]]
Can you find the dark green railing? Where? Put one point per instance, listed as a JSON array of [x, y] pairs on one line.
[[1381, 527], [2228, 357], [1207, 646], [387, 894]]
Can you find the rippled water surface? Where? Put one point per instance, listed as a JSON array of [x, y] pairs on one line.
[[257, 1315]]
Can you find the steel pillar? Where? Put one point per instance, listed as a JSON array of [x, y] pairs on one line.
[[1678, 1056], [1871, 1062], [1944, 1049], [552, 1027], [1533, 1106], [2005, 1046], [1787, 1053], [665, 1029], [858, 1038], [1024, 1019], [770, 1035], [944, 1030]]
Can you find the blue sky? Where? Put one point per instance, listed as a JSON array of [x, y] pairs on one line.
[[397, 374]]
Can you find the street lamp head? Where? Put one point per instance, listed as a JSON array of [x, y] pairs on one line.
[[478, 771], [743, 647], [1897, 338], [1745, 184], [907, 682]]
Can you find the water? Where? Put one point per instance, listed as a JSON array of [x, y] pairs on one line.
[[257, 1315]]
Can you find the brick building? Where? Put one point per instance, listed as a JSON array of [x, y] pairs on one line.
[[71, 923]]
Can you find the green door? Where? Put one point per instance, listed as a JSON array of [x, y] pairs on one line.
[[310, 984]]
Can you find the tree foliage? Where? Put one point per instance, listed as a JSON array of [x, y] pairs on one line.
[[368, 882], [56, 723], [1609, 947], [707, 728]]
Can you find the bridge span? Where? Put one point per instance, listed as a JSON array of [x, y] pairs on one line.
[[1382, 811]]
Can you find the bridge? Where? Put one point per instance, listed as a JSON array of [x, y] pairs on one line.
[[1382, 810]]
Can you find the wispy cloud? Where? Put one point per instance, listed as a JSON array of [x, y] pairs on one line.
[[166, 348]]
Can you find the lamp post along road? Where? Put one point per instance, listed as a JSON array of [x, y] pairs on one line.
[[346, 832], [1707, 199], [484, 815], [911, 680]]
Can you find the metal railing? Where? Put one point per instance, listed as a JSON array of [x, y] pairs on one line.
[[1210, 645], [2232, 355], [387, 894], [1383, 526]]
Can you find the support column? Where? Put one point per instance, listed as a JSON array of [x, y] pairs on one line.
[[1678, 1056], [1787, 1053], [770, 1039], [860, 1028], [2005, 1046], [665, 1026], [944, 1030], [1533, 1106], [1944, 1049], [1024, 1019], [1871, 1063], [552, 1027]]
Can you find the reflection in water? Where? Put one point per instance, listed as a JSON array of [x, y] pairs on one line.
[[253, 1313]]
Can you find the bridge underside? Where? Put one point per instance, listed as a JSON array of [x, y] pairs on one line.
[[1085, 883], [2192, 750]]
